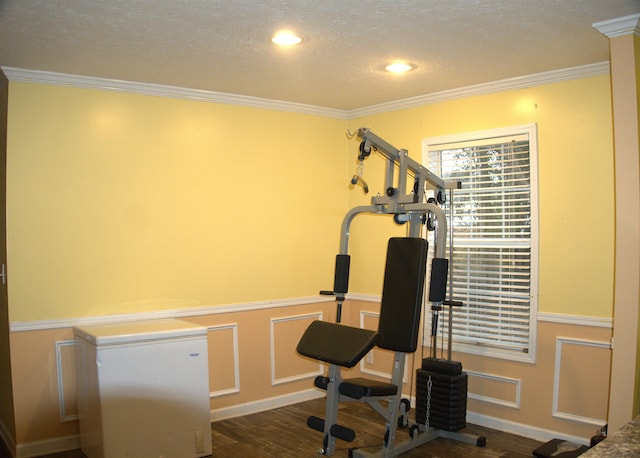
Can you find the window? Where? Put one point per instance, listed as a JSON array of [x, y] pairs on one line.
[[494, 227]]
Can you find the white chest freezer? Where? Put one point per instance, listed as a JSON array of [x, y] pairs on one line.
[[143, 390]]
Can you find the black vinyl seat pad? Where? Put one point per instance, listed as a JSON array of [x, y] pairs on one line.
[[337, 344], [358, 388]]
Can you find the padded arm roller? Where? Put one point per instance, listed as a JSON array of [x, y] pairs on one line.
[[438, 285]]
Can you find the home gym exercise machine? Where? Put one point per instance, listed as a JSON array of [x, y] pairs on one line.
[[441, 392]]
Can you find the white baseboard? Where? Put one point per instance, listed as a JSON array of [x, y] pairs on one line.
[[520, 429], [265, 404], [49, 446]]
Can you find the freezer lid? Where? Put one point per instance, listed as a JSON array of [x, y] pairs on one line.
[[138, 331]]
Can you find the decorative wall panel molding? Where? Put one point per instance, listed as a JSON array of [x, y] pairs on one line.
[[233, 327], [66, 377], [515, 385], [574, 369], [297, 323]]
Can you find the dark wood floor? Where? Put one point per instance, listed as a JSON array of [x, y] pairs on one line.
[[283, 433]]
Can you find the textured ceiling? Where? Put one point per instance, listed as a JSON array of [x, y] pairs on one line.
[[224, 46]]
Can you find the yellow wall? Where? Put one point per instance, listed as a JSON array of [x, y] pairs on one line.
[[122, 203], [575, 163]]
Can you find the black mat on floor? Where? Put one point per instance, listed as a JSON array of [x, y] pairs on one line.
[[558, 448]]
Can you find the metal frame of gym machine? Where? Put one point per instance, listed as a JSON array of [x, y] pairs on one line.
[[405, 207], [409, 208]]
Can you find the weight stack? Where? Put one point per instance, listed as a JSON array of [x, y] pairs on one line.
[[448, 400]]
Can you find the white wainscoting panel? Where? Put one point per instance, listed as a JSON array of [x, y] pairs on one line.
[[275, 323], [236, 359], [514, 403], [66, 375], [560, 343], [369, 359]]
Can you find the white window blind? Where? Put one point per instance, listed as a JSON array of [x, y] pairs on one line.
[[494, 237]]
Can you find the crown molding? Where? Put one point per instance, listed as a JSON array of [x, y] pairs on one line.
[[90, 82], [520, 82], [620, 26], [63, 79]]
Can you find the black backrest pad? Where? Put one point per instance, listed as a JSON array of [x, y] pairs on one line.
[[402, 294]]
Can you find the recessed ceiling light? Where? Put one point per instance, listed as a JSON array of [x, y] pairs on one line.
[[286, 39], [399, 67]]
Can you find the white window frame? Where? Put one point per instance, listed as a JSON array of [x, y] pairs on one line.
[[530, 130]]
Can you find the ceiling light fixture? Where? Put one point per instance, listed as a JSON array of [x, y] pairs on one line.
[[399, 67], [286, 39]]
